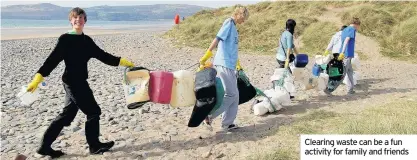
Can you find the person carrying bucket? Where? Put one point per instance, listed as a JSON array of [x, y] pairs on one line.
[[348, 47], [75, 49], [226, 63], [286, 49]]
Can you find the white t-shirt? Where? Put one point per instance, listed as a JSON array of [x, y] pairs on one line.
[[336, 42]]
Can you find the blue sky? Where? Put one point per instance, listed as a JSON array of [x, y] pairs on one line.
[[90, 3]]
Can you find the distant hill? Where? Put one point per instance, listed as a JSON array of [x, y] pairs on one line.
[[47, 11]]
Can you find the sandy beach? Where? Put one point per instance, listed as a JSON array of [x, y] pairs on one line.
[[157, 131], [42, 32]]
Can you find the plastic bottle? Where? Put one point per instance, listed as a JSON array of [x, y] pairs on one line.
[[27, 98]]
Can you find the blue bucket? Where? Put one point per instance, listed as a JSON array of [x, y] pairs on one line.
[[301, 60], [316, 70]]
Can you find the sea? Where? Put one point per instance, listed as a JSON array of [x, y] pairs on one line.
[[24, 23], [22, 28]]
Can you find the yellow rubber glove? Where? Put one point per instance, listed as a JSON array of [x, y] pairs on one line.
[[126, 63], [206, 65], [205, 57], [286, 63], [341, 56], [326, 53], [238, 66], [35, 82]]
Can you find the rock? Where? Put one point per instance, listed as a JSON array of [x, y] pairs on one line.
[[121, 145], [75, 128], [138, 129], [206, 155], [144, 155], [126, 119], [4, 142], [28, 141], [142, 111], [7, 118], [221, 155], [173, 133], [63, 144], [113, 122]]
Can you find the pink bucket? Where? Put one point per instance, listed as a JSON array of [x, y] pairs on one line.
[[160, 86]]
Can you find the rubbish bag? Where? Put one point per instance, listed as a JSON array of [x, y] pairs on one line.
[[356, 77], [246, 90], [205, 92]]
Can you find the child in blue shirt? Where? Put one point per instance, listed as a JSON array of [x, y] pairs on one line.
[[348, 48], [226, 63]]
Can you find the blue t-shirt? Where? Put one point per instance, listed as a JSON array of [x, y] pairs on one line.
[[350, 48], [227, 49], [285, 41]]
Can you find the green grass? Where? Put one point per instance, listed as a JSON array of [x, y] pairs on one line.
[[316, 37], [397, 117], [390, 23], [260, 33]]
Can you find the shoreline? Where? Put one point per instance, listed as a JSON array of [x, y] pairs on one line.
[[51, 32]]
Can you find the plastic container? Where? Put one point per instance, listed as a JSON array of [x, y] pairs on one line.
[[301, 60], [183, 89], [316, 70], [160, 86], [27, 98], [322, 81], [136, 87]]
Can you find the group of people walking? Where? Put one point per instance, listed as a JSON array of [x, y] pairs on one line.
[[76, 49]]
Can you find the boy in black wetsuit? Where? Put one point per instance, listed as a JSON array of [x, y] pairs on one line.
[[75, 49]]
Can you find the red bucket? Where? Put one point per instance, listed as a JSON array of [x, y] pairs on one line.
[[160, 86]]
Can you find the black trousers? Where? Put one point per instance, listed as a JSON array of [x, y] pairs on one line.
[[79, 96], [282, 63]]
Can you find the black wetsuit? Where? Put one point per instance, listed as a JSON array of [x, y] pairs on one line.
[[76, 51]]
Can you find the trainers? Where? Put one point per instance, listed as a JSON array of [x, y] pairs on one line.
[[50, 152], [101, 147], [230, 127], [351, 92]]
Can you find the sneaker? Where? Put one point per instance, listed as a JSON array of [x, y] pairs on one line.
[[50, 152], [101, 147], [230, 127], [351, 92]]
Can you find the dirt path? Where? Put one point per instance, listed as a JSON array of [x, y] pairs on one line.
[[366, 45]]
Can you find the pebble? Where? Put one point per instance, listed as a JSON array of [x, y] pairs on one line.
[[142, 111], [75, 128], [113, 122], [138, 129], [4, 142]]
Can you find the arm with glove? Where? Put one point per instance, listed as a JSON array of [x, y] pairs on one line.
[[342, 54], [108, 58], [49, 65], [207, 55]]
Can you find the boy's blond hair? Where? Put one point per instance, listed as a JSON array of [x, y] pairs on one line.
[[76, 12], [241, 12]]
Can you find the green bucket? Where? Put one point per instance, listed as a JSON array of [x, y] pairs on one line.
[[334, 71]]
